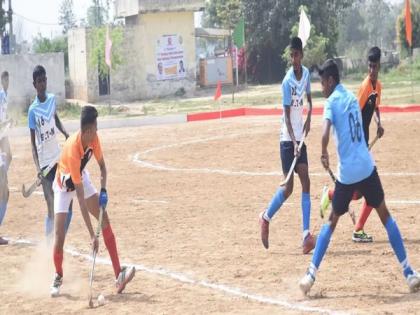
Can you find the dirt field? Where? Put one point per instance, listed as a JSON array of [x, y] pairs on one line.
[[184, 201]]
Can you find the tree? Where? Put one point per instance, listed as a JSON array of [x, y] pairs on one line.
[[67, 18], [315, 51], [97, 13], [222, 13], [97, 55], [269, 24]]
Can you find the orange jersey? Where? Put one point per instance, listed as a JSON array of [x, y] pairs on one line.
[[74, 158], [368, 96], [369, 100]]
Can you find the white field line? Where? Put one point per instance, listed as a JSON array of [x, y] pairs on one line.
[[180, 277], [138, 159]]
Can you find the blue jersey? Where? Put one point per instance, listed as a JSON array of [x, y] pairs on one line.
[[354, 160], [41, 119]]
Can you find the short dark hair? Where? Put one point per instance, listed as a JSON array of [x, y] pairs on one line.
[[374, 54], [38, 71], [88, 116], [4, 74], [296, 43], [330, 68]]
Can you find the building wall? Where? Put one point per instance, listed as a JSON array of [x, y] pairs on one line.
[[136, 78], [151, 27], [20, 68], [78, 64]]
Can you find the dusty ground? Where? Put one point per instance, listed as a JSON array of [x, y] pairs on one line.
[[195, 218]]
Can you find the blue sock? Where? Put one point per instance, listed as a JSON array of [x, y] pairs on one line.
[[49, 226], [397, 244], [306, 212], [68, 219], [321, 244], [3, 207], [275, 204]]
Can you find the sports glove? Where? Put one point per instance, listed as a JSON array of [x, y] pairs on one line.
[[103, 198]]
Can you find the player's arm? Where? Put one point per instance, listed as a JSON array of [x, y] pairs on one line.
[[34, 151], [85, 214], [290, 128], [287, 103], [102, 167], [60, 126], [307, 126], [324, 143], [380, 131]]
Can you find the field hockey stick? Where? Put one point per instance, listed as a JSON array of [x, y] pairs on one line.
[[373, 142], [26, 192], [292, 168], [351, 211], [94, 252]]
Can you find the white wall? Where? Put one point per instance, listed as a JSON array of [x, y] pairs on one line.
[[20, 68]]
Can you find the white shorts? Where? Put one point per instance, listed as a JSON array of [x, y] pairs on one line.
[[62, 197]]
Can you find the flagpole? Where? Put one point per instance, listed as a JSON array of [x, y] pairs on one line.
[[236, 61], [109, 91]]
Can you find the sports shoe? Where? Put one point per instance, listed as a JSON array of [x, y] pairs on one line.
[[413, 282], [361, 237], [55, 288], [306, 283], [265, 229], [125, 276], [3, 241], [308, 244], [325, 202]]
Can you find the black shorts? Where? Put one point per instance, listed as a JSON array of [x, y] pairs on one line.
[[51, 174], [370, 188], [287, 155]]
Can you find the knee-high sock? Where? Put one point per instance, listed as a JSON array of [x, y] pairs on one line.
[[306, 213], [275, 204], [111, 246], [49, 226], [3, 207], [397, 244], [330, 193], [321, 245], [364, 214], [58, 262]]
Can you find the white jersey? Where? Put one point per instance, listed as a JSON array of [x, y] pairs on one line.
[[41, 118], [293, 93]]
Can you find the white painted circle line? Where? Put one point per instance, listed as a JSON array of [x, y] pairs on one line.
[[180, 277], [141, 161]]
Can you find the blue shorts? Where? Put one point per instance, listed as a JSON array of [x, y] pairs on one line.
[[370, 188], [287, 155]]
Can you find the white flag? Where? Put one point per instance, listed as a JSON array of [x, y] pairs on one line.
[[304, 27]]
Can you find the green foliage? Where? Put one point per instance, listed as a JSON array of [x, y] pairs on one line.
[[268, 28], [97, 13], [97, 44], [43, 45], [366, 24], [415, 21], [67, 18], [222, 13], [315, 51]]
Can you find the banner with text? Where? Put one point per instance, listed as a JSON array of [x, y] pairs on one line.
[[170, 58]]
